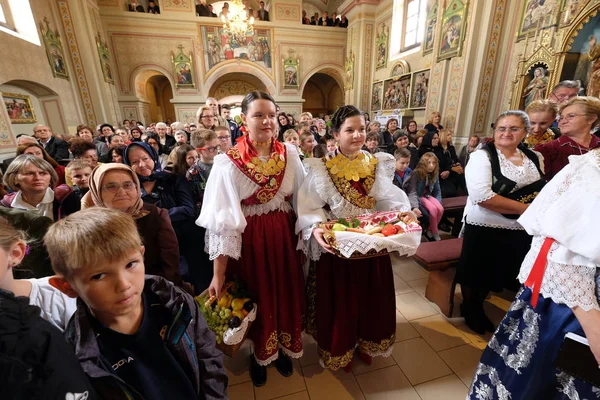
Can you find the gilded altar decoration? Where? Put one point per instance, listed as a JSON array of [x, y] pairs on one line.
[[430, 25], [290, 74], [183, 69], [453, 30], [54, 50], [19, 109], [104, 55], [354, 178], [349, 84], [382, 46]]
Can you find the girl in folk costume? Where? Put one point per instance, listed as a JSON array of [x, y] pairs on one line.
[[351, 301], [248, 212], [560, 295]]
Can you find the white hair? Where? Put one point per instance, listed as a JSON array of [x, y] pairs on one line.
[[177, 126], [160, 125]]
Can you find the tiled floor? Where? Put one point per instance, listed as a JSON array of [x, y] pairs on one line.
[[434, 357]]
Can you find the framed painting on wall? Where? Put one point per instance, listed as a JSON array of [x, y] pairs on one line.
[[396, 93], [54, 51], [104, 59], [537, 15], [400, 68], [382, 46], [183, 69], [377, 96], [430, 25], [290, 73], [419, 85], [453, 30], [19, 109], [569, 10]]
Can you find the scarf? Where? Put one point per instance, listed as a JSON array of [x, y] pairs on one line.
[[248, 151], [157, 171], [94, 197]]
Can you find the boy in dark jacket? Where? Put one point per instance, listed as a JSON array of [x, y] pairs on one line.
[[136, 336]]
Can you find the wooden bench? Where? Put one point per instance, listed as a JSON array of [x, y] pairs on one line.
[[440, 259], [454, 208]]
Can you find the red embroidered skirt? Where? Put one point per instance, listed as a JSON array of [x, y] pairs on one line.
[[271, 267], [354, 304]]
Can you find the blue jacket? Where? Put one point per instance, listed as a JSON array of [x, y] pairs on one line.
[[434, 189]]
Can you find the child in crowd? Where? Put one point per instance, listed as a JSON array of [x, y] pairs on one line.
[[80, 171], [56, 307], [405, 180], [291, 136], [303, 127], [429, 193], [307, 145], [224, 136], [135, 336], [331, 144], [206, 144]]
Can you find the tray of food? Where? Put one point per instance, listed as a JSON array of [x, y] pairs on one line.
[[373, 235], [229, 317]]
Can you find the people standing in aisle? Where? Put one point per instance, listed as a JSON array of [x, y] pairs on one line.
[[351, 302], [248, 212]]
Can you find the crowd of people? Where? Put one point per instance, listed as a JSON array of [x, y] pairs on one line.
[[134, 220]]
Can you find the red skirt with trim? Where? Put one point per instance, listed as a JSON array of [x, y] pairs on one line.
[[355, 306], [271, 267]]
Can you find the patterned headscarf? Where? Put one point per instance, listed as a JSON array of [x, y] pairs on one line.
[[157, 172]]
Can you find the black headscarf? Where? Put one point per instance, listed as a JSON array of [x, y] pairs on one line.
[[157, 172]]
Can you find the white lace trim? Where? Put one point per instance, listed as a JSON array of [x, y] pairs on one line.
[[226, 245], [274, 205], [386, 353], [573, 285], [287, 352], [486, 198], [523, 175], [487, 225]]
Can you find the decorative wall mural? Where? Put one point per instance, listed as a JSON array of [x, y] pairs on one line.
[[54, 50], [349, 84], [183, 69], [400, 68], [382, 44], [396, 93], [430, 26], [104, 59], [19, 109], [538, 85], [290, 74], [453, 30], [220, 45], [537, 15], [377, 96], [584, 54], [570, 9], [419, 85], [231, 88]]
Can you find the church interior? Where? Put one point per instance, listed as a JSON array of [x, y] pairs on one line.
[[65, 63]]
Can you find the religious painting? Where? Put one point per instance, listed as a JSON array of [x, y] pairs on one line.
[[453, 30], [537, 15], [570, 9], [104, 59], [430, 25], [419, 85], [19, 109], [54, 51], [290, 73], [582, 60], [183, 69], [377, 96], [400, 68], [349, 84], [396, 93], [381, 45], [537, 85], [222, 45]]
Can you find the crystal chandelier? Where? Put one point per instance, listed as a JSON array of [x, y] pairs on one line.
[[236, 22]]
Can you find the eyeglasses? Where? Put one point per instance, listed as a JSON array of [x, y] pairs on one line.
[[569, 117], [211, 149], [114, 187], [512, 129], [208, 116], [224, 137]]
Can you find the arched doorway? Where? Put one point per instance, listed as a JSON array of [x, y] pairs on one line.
[[322, 94], [233, 87], [154, 91], [45, 107]]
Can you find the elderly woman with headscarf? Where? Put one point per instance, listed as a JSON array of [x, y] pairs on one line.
[[116, 186]]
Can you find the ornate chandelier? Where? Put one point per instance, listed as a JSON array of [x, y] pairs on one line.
[[237, 21]]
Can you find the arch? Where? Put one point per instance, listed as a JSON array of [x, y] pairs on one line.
[[333, 70], [236, 83], [154, 90], [33, 87], [322, 94], [141, 68], [241, 66]]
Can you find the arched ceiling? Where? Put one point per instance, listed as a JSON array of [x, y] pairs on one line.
[[235, 83], [32, 87]]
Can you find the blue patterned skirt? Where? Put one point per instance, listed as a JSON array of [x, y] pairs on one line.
[[518, 362]]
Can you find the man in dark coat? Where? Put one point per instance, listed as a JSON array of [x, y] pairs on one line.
[[57, 148], [263, 14]]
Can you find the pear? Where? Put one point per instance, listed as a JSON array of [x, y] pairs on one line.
[[338, 227]]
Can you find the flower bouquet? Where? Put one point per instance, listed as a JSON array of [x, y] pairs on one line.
[[373, 235]]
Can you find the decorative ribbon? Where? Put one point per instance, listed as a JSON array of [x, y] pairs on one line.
[[534, 280]]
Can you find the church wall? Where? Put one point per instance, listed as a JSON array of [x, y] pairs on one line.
[[36, 105]]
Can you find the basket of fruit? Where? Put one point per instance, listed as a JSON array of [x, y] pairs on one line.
[[373, 235], [230, 317]]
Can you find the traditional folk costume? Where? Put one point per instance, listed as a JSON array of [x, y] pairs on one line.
[[535, 140], [562, 269], [351, 302], [248, 214]]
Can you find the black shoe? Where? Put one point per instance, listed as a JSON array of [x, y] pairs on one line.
[[472, 318], [258, 373], [429, 236], [284, 365]]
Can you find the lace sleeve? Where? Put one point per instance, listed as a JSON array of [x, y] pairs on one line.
[[229, 245], [478, 175]]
